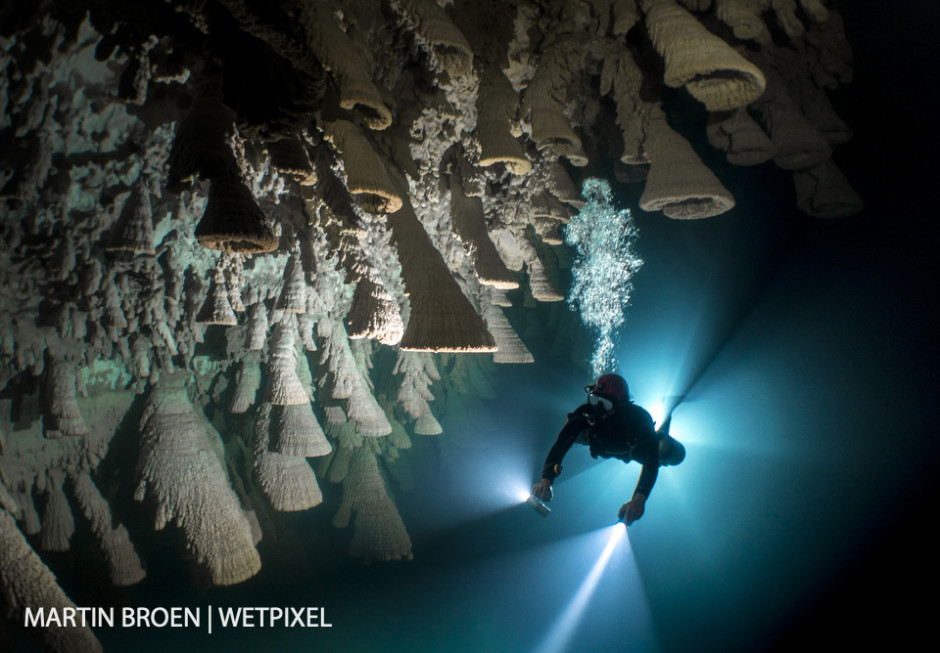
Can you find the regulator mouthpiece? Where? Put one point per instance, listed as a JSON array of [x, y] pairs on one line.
[[538, 506]]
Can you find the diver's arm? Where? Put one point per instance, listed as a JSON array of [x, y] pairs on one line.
[[575, 423], [635, 507], [569, 433], [647, 479]]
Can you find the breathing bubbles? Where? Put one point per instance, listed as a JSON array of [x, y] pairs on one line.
[[603, 269]]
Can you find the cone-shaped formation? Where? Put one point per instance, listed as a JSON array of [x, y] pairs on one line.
[[62, 415], [340, 56], [510, 349], [441, 317], [824, 192], [375, 314], [365, 411], [417, 372], [470, 226], [815, 10], [378, 531], [365, 174], [785, 13], [830, 54], [30, 522], [708, 67], [350, 382], [545, 98], [540, 285], [337, 356], [306, 326], [284, 386], [257, 327], [679, 184], [548, 232], [289, 156], [233, 222], [247, 383], [113, 318], [232, 265], [562, 187], [293, 297], [427, 424], [201, 147], [134, 229], [821, 115], [297, 432], [797, 144], [496, 106], [123, 561], [546, 205], [398, 438], [436, 32], [288, 481], [58, 524], [217, 309], [737, 134], [335, 466], [622, 78], [744, 19], [180, 470], [25, 582], [335, 414]]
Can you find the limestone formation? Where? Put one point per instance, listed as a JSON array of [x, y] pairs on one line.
[[824, 192], [284, 386], [364, 172], [134, 229], [25, 581], [297, 432], [113, 538], [343, 60], [679, 184], [287, 480], [496, 107], [58, 524], [740, 137], [233, 222], [378, 531], [180, 471], [217, 309], [706, 66]]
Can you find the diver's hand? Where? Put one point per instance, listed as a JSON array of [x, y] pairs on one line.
[[542, 490], [633, 509]]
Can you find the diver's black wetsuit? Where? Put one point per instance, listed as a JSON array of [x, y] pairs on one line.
[[625, 433]]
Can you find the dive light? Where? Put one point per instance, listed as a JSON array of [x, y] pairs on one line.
[[538, 506]]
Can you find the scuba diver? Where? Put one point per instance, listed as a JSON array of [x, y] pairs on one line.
[[614, 427]]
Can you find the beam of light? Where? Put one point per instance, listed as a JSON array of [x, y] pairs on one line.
[[500, 483], [657, 411], [557, 639]]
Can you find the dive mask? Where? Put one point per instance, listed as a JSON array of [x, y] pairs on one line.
[[597, 400]]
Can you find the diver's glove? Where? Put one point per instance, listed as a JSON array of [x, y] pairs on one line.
[[543, 490], [633, 509]]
